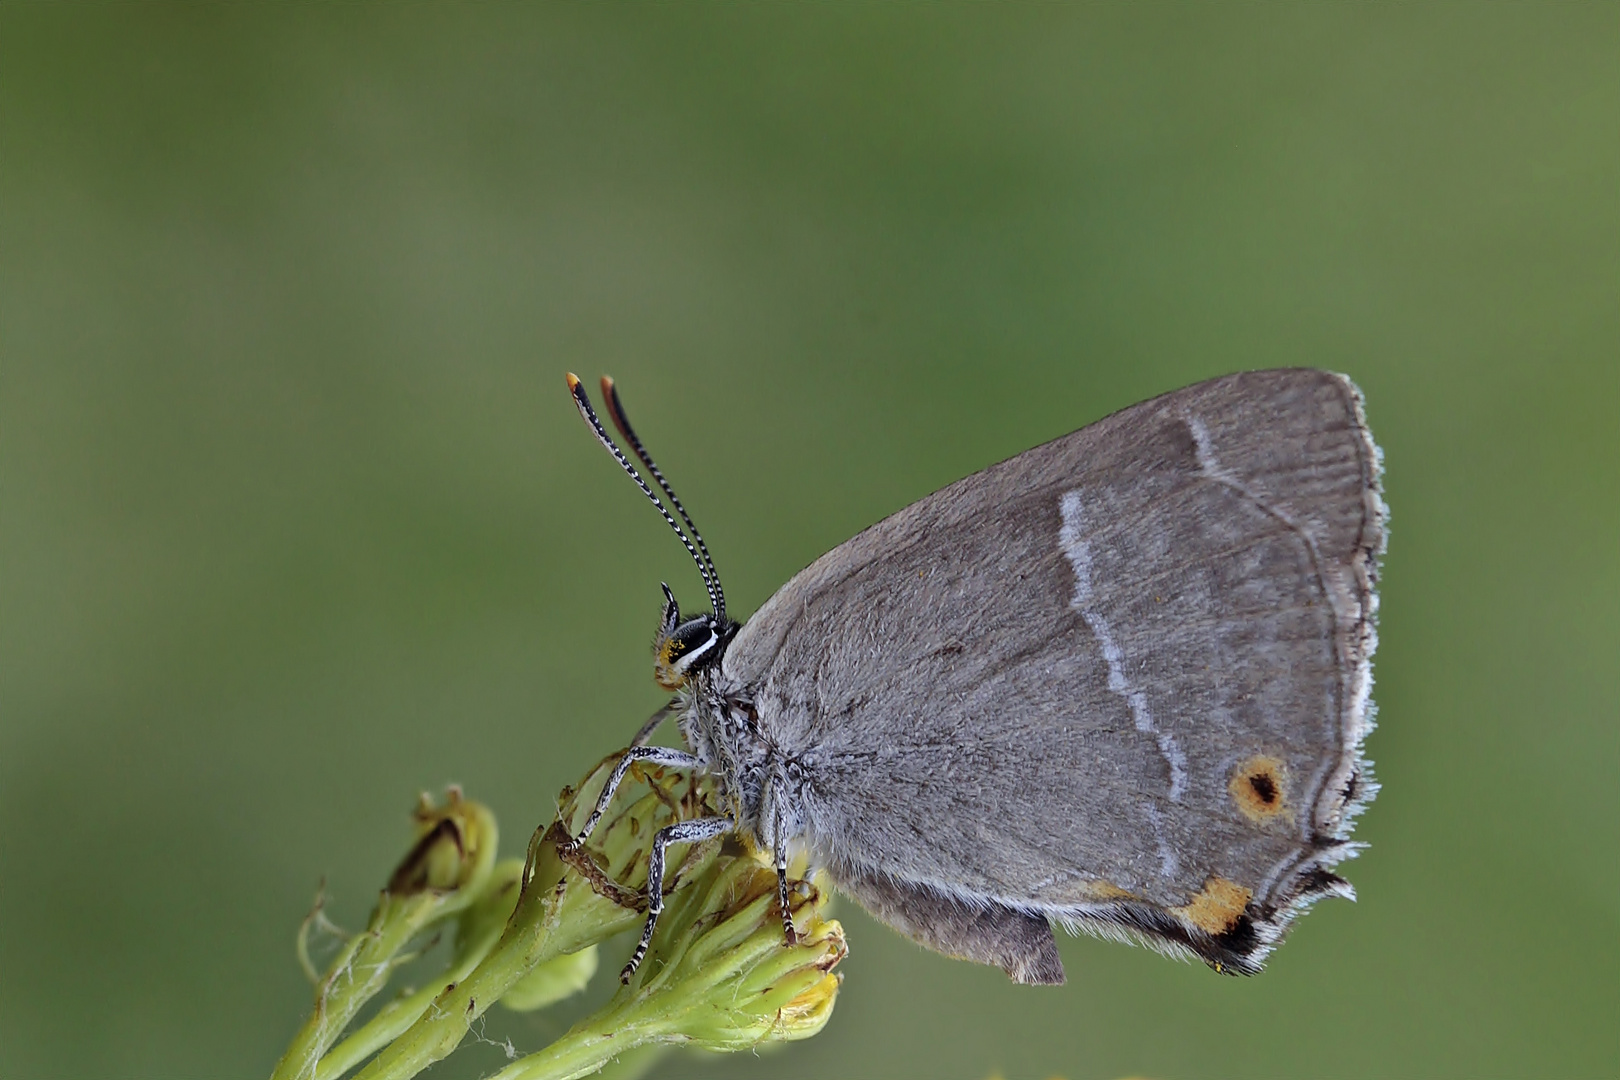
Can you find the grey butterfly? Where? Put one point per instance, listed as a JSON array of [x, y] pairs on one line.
[[1119, 682]]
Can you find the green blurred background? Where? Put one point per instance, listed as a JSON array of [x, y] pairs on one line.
[[297, 518]]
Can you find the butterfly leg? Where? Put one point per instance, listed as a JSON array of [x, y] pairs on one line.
[[682, 832], [783, 893], [652, 723], [657, 755]]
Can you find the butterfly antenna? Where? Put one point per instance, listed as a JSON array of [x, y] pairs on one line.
[[615, 408], [583, 403]]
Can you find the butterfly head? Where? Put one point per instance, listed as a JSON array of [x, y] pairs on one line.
[[684, 646]]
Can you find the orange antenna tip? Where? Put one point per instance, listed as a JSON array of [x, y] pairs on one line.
[[573, 382]]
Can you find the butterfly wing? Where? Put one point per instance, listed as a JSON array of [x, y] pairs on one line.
[[1121, 679]]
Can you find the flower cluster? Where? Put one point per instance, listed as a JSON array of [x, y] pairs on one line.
[[720, 974]]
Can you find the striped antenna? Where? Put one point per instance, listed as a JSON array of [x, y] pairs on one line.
[[711, 580], [615, 408]]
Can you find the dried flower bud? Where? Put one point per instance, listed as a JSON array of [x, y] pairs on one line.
[[455, 847]]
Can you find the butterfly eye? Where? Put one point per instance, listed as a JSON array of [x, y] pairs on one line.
[[683, 648]]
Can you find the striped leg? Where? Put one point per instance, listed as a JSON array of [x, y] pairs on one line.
[[782, 896], [652, 723], [682, 832], [658, 755]]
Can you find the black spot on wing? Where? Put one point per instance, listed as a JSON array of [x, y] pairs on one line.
[[1239, 950]]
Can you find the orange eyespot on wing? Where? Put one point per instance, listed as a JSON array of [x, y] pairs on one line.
[[1259, 786]]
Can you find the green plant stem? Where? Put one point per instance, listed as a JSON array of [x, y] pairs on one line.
[[634, 1064], [579, 1053], [359, 972], [478, 928], [396, 1017], [537, 932]]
